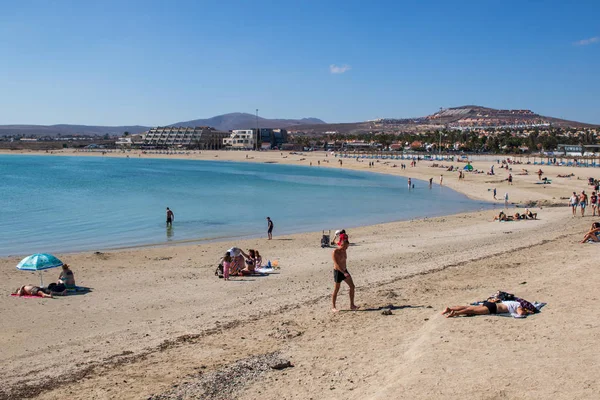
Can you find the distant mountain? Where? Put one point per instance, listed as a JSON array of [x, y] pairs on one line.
[[230, 121], [53, 130], [478, 115], [222, 122]]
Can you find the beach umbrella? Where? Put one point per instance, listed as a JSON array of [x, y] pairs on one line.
[[39, 262]]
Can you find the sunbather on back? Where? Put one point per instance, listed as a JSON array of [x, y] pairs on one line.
[[32, 290]]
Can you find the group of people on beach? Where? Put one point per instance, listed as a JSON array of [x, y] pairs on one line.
[[528, 214], [581, 201], [65, 282], [236, 262]]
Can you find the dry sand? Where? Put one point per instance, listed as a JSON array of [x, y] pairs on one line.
[[160, 324]]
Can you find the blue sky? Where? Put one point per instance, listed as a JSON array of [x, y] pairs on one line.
[[160, 62]]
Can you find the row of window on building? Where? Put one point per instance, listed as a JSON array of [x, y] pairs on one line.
[[206, 138]]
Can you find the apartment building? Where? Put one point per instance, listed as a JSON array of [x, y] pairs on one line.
[[200, 137]]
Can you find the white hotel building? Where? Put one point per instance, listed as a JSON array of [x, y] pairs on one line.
[[241, 139]]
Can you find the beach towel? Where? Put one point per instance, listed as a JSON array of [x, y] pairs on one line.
[[264, 270]]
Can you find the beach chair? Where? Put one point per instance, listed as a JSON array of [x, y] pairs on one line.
[[325, 239]]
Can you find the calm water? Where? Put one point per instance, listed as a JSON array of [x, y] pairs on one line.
[[56, 204]]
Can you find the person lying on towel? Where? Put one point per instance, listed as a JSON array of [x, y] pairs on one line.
[[513, 308], [32, 290]]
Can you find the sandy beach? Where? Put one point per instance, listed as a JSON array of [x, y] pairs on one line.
[[158, 323]]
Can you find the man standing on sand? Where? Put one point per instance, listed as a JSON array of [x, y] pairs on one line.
[[269, 228], [341, 274], [430, 182], [441, 179], [494, 193], [170, 217], [583, 199]]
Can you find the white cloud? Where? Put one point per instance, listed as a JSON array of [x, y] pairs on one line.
[[335, 69], [586, 42]]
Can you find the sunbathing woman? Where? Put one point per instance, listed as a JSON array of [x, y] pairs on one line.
[[237, 264], [67, 277], [32, 290], [530, 215], [513, 308], [257, 260], [250, 263], [594, 233]]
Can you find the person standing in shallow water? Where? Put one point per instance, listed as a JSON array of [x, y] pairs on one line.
[[170, 217], [269, 228], [341, 274]]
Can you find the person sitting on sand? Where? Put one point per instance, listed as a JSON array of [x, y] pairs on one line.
[[67, 277], [513, 308], [237, 264], [257, 259], [32, 290], [250, 263], [593, 235], [530, 215]]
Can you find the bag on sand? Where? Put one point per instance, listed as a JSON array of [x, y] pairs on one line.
[[219, 271]]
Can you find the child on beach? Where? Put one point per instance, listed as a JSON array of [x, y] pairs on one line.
[[226, 266]]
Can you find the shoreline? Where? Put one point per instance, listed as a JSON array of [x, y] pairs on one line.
[[202, 157]]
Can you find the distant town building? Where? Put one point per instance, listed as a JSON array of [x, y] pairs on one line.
[[270, 138], [130, 141], [200, 137], [241, 139]]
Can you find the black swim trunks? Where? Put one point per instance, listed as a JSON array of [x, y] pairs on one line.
[[338, 276], [492, 307], [169, 220]]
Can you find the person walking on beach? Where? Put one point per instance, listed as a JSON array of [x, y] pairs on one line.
[[594, 203], [269, 228], [170, 217], [430, 182], [341, 274], [510, 179], [495, 194], [573, 202], [506, 199], [441, 179], [583, 199]]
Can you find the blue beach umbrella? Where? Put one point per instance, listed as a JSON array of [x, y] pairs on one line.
[[39, 262]]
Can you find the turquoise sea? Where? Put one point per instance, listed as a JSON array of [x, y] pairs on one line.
[[62, 204]]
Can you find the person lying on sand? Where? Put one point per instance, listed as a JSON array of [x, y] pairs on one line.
[[513, 308], [593, 234], [501, 217], [32, 290]]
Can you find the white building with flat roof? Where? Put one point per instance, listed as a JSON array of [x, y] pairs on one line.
[[241, 139]]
